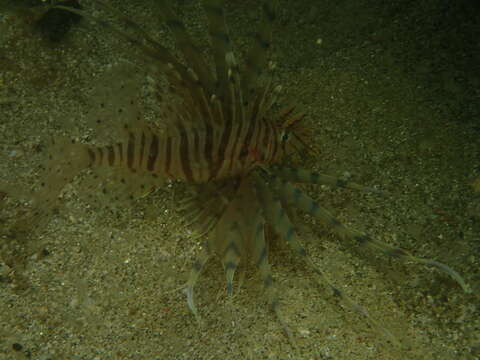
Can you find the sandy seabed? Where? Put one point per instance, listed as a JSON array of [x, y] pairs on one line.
[[392, 97]]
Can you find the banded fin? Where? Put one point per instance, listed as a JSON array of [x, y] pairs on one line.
[[276, 215], [191, 53], [294, 196], [195, 272], [260, 257], [256, 60]]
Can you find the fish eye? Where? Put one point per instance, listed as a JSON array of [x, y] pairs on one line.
[[285, 136]]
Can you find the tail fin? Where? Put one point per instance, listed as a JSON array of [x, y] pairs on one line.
[[65, 160]]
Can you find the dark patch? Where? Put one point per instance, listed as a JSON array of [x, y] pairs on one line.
[[290, 233], [341, 183], [314, 208], [334, 222], [230, 266], [56, 23], [302, 252], [361, 239], [174, 23], [264, 43], [397, 252], [232, 246], [297, 194]]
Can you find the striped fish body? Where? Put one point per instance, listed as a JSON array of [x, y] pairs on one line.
[[192, 154]]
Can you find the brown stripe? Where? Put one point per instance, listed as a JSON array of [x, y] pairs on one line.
[[100, 156], [142, 149], [248, 139], [196, 146], [226, 137], [268, 141], [152, 153], [184, 158], [209, 145], [258, 146], [130, 149], [235, 139], [274, 143], [264, 142], [91, 155], [111, 155], [201, 169]]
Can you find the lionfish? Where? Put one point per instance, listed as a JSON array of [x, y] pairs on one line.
[[225, 135]]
